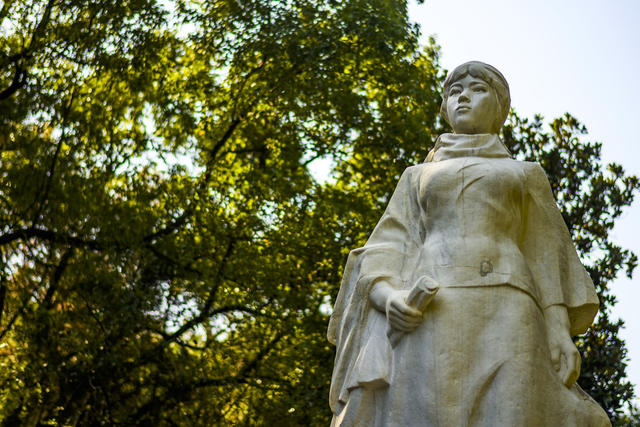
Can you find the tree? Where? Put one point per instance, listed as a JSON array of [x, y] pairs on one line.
[[167, 255]]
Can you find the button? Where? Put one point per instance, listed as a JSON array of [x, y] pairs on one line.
[[486, 267]]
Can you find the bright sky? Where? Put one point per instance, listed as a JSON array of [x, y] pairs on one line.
[[577, 56]]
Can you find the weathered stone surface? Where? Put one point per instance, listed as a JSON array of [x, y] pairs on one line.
[[487, 341]]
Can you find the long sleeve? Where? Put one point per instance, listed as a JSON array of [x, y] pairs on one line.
[[356, 328], [558, 274], [396, 238]]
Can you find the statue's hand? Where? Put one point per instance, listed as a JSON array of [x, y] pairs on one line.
[[400, 315], [565, 357], [564, 354]]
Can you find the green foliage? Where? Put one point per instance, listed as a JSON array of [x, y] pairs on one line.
[[167, 256]]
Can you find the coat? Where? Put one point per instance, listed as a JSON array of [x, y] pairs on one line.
[[486, 228]]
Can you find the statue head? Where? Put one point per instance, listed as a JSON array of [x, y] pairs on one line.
[[475, 99]]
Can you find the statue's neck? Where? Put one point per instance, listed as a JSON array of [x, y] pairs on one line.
[[451, 145]]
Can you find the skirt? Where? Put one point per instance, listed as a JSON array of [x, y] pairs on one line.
[[479, 358]]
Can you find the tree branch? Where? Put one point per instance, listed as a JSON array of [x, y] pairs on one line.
[[20, 75], [18, 82], [57, 275], [48, 235], [170, 228], [42, 25], [3, 293], [239, 308], [205, 311], [253, 364], [5, 9], [52, 168]]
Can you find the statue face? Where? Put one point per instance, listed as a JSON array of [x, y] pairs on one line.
[[471, 106]]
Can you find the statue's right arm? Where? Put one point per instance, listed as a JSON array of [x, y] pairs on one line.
[[379, 294], [395, 237], [391, 301]]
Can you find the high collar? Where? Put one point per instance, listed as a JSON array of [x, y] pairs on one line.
[[451, 145]]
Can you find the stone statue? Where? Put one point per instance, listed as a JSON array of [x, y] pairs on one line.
[[459, 309]]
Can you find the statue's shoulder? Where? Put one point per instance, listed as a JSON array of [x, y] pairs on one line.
[[536, 177], [418, 168], [534, 170], [411, 171], [533, 167]]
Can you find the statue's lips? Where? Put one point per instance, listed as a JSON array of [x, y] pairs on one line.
[[463, 108]]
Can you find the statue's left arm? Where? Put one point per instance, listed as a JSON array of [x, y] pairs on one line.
[[565, 290], [564, 354]]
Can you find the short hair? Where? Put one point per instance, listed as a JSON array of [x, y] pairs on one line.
[[489, 75]]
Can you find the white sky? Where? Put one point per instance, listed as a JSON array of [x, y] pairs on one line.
[[576, 56]]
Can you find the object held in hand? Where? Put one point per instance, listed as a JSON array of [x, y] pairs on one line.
[[419, 298]]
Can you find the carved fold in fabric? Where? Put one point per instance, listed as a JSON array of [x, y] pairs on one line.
[[471, 217], [450, 145]]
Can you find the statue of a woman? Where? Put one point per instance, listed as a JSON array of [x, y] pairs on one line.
[[493, 347]]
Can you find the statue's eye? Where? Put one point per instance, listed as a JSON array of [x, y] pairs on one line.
[[454, 91]]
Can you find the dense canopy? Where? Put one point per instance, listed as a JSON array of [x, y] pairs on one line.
[[168, 254]]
